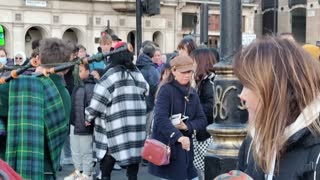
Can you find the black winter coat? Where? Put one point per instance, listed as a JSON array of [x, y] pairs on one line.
[[299, 162], [205, 91], [173, 95], [80, 99], [151, 75]]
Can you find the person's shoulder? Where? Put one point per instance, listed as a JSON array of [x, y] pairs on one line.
[[166, 88]]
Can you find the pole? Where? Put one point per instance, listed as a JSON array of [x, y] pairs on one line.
[[201, 23], [229, 125], [138, 25], [108, 27], [205, 23], [204, 13], [275, 10]]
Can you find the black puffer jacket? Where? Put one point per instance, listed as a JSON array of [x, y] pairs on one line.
[[205, 92], [299, 162], [81, 97]]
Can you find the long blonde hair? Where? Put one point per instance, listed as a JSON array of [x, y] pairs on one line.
[[286, 79]]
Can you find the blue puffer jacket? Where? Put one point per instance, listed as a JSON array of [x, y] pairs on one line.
[[172, 95], [151, 75]]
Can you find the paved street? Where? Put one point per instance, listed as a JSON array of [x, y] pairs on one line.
[[116, 175]]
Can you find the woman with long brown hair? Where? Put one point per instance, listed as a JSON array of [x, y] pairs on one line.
[[281, 90], [186, 46], [204, 76]]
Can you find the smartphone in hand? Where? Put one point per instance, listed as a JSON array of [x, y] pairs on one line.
[[176, 119], [184, 118]]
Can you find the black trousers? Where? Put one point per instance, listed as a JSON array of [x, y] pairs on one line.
[[106, 166]]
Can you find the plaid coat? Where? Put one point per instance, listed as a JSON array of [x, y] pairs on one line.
[[36, 121], [119, 109]]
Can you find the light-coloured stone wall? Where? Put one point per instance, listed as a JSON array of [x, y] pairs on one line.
[[285, 19], [89, 18]]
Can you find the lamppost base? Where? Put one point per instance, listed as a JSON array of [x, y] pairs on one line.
[[215, 165]]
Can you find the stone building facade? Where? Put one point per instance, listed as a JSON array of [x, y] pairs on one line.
[[299, 17], [82, 22]]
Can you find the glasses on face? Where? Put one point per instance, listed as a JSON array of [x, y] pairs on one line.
[[20, 58]]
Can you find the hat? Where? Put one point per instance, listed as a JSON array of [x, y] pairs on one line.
[[123, 56], [234, 175], [313, 50], [182, 63], [23, 56], [115, 38]]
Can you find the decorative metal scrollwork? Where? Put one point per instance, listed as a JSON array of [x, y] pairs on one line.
[[220, 106], [242, 105]]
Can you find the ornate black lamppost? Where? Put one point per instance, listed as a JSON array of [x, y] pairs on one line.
[[230, 116]]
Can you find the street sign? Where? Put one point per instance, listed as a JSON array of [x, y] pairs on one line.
[[248, 38], [36, 3]]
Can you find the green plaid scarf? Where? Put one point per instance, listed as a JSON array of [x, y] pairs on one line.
[[36, 119]]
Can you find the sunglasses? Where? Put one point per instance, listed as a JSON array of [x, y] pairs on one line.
[[20, 58]]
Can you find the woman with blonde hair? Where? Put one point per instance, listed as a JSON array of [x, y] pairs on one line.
[[177, 97], [281, 90]]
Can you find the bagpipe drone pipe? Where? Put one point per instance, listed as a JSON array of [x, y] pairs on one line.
[[16, 71]]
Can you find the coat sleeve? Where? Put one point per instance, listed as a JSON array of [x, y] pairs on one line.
[[199, 122], [98, 103], [162, 123], [89, 91], [207, 100]]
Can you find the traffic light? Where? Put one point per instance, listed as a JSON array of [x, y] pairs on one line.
[[151, 7]]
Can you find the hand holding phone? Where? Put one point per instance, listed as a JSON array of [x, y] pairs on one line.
[[176, 119], [184, 118]]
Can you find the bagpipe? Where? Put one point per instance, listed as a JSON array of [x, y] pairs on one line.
[[33, 63]]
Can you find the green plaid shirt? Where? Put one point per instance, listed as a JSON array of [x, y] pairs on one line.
[[36, 120]]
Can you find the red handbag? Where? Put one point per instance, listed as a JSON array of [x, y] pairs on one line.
[[156, 152], [7, 173]]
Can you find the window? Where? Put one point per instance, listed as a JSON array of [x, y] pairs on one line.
[[243, 24], [214, 22], [188, 20]]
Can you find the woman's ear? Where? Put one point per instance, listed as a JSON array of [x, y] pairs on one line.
[[38, 59], [174, 71]]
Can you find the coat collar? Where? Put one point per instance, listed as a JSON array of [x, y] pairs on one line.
[[298, 128], [187, 91]]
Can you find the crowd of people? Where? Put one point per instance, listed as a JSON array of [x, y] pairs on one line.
[[102, 112]]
